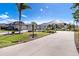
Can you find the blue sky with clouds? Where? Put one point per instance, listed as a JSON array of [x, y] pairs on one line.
[[40, 12]]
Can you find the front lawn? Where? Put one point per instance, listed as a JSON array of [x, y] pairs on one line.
[[39, 34], [77, 38], [7, 40]]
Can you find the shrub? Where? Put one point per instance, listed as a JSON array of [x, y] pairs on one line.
[[77, 29], [44, 31], [13, 32], [50, 31]]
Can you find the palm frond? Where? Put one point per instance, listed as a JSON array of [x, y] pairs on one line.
[[22, 6]]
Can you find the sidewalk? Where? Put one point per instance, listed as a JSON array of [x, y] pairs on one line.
[[3, 33]]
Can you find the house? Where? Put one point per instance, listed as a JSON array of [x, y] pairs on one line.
[[17, 25], [29, 27]]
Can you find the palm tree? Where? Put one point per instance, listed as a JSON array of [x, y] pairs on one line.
[[34, 26], [21, 7]]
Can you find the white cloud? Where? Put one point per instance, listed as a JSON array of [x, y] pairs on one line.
[[2, 21], [11, 20], [24, 16], [70, 21], [26, 22], [38, 21], [8, 21], [64, 20], [58, 21], [4, 16], [41, 9]]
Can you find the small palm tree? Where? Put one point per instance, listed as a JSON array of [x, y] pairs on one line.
[[34, 26], [21, 7]]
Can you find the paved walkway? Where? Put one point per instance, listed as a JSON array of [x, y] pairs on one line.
[[8, 32], [58, 44]]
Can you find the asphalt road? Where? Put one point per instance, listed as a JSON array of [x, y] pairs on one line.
[[59, 44]]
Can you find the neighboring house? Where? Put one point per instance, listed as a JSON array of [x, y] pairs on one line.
[[38, 28], [13, 26], [28, 27], [3, 26], [43, 26], [17, 26]]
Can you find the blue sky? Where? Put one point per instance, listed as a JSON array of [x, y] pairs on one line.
[[40, 12]]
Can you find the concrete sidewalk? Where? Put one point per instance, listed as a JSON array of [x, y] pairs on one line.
[[8, 32], [58, 44]]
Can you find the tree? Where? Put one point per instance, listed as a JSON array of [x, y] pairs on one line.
[[52, 27], [76, 16], [34, 26], [70, 27], [49, 27], [21, 7], [75, 7]]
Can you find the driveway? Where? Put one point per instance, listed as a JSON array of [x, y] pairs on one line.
[[59, 44]]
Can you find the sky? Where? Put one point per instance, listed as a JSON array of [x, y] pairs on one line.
[[40, 13]]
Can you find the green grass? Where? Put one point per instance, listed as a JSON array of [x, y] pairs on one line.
[[41, 34], [7, 40], [12, 39], [77, 38]]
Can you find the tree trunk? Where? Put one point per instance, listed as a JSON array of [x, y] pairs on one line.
[[20, 19], [74, 25], [77, 24], [33, 31], [55, 27]]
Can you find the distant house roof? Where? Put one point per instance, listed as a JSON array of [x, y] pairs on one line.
[[17, 23]]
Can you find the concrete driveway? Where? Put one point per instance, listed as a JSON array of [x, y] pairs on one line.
[[59, 44]]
